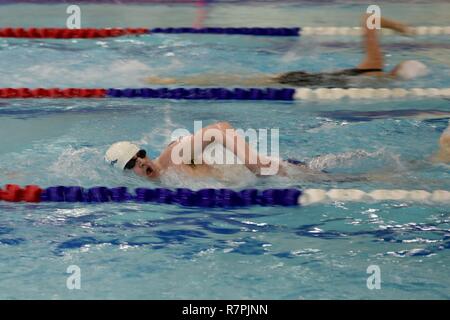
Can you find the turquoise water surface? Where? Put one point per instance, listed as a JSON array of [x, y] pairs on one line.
[[148, 251]]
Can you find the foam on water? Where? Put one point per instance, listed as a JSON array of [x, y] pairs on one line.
[[347, 158]]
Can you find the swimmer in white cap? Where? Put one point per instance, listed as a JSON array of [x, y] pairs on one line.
[[125, 155], [372, 66]]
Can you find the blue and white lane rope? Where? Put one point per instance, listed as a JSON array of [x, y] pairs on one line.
[[217, 197], [288, 94], [92, 33], [279, 94], [303, 31], [312, 196], [356, 31]]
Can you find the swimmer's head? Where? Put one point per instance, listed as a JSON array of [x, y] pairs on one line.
[[410, 69], [125, 155]]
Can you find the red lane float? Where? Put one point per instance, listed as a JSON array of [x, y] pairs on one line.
[[6, 93], [14, 193], [63, 33]]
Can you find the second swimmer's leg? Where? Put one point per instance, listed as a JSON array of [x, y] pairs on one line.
[[215, 80], [160, 80]]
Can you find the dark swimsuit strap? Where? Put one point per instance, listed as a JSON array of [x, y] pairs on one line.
[[325, 79], [296, 162], [354, 72], [178, 140], [367, 70]]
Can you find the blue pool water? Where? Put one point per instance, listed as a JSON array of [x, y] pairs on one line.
[[148, 251]]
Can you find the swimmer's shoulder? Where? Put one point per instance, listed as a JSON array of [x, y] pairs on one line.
[[174, 143]]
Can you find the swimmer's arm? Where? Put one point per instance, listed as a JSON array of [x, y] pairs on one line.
[[191, 148], [224, 134], [374, 56], [395, 25], [256, 163]]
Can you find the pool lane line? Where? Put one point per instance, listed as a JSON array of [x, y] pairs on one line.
[[356, 31], [369, 93], [282, 94], [92, 33], [217, 197]]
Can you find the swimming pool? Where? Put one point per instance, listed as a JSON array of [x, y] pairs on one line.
[[148, 251]]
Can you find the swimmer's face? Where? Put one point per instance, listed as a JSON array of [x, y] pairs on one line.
[[142, 166], [146, 168]]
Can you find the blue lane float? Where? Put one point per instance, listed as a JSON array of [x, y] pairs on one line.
[[205, 93], [254, 31], [180, 196], [216, 197]]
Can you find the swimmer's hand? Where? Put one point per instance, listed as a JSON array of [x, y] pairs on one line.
[[405, 30], [158, 80], [397, 26], [443, 155]]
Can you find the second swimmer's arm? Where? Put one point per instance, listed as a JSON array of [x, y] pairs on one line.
[[374, 56], [394, 25]]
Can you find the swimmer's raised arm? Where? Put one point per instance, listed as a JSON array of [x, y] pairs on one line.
[[222, 133], [250, 157], [374, 55], [195, 143]]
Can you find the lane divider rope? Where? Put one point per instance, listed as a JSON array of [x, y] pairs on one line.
[[227, 93], [312, 196], [216, 197], [368, 93], [64, 33], [356, 31], [91, 33]]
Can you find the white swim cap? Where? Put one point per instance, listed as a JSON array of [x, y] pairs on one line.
[[120, 153], [411, 69]]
